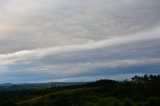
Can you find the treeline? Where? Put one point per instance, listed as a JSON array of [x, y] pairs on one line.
[[140, 91], [146, 78]]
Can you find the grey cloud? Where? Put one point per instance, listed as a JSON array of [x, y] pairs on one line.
[[40, 53], [51, 23], [66, 35]]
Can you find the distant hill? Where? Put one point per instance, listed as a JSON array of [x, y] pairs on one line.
[[140, 91], [9, 86], [6, 85]]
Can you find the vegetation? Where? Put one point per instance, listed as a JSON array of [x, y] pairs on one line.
[[140, 91]]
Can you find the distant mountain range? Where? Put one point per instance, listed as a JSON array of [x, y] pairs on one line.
[[10, 86]]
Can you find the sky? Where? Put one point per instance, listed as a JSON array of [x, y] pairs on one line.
[[78, 40]]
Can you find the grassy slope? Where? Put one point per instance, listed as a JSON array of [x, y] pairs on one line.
[[102, 93], [68, 92]]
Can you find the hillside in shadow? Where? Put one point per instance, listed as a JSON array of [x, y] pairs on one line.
[[140, 91]]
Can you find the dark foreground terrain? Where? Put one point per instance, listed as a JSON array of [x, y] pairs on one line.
[[140, 91]]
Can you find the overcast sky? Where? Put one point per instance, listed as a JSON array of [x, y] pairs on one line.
[[78, 40]]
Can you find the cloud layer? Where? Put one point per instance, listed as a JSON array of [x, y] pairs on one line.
[[58, 40]]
